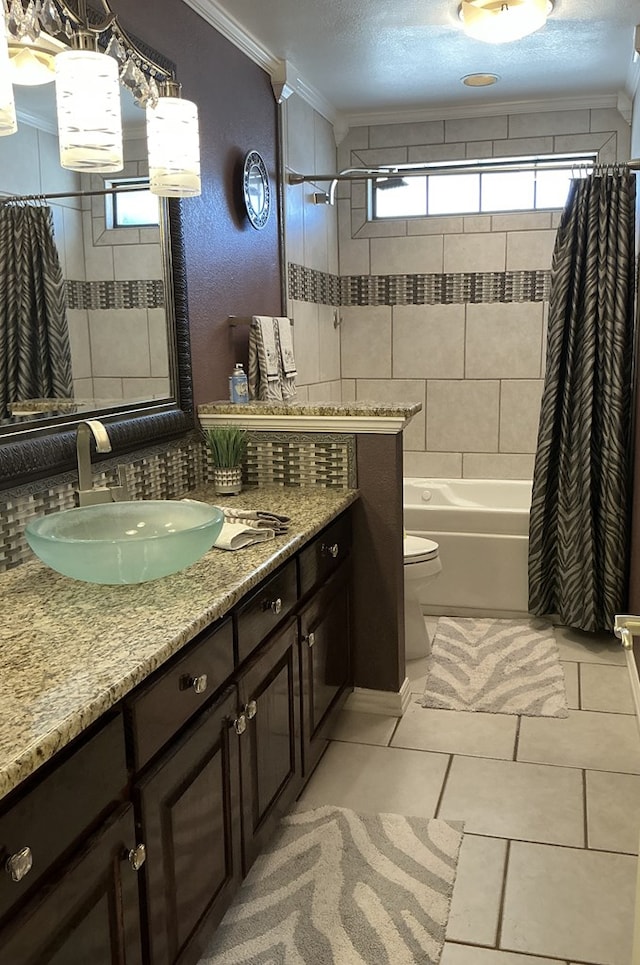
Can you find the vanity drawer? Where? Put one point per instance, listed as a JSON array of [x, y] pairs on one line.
[[327, 551], [53, 812], [159, 708], [266, 608]]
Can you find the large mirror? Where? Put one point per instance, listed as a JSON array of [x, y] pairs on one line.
[[121, 351]]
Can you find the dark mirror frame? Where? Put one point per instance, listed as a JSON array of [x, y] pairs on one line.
[[48, 447], [45, 450]]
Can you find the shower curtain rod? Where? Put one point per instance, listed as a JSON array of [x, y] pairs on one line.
[[11, 199]]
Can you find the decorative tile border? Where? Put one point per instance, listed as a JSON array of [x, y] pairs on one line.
[[308, 285], [301, 459], [92, 295]]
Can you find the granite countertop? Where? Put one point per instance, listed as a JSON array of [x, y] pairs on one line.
[[69, 651], [382, 410]]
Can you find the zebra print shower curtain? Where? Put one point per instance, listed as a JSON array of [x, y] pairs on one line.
[[580, 512], [35, 356]]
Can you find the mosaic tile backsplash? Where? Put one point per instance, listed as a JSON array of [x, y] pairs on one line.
[[167, 472], [94, 295]]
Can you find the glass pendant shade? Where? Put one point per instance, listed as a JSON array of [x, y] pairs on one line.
[[89, 112], [31, 67], [8, 123], [174, 148], [502, 21]]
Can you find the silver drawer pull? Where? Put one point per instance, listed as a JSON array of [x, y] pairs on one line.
[[275, 605], [19, 864], [251, 709], [199, 683], [240, 724], [332, 550], [310, 639], [137, 857]]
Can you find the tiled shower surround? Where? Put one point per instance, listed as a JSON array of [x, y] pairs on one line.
[[446, 311], [169, 471]]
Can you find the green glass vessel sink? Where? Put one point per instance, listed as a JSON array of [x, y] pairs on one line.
[[128, 542]]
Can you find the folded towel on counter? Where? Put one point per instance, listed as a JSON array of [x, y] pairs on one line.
[[272, 367], [260, 519], [235, 536]]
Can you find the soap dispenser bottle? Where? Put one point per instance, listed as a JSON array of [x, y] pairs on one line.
[[238, 385]]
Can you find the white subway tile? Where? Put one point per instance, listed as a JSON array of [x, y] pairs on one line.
[[376, 157], [306, 342], [529, 250], [294, 202], [398, 390], [348, 392], [447, 225], [523, 146], [329, 345], [479, 149], [475, 223], [315, 231], [428, 341], [497, 465], [521, 220], [78, 323], [144, 261], [567, 143], [437, 152], [119, 343], [158, 342], [395, 228], [462, 416], [422, 132]]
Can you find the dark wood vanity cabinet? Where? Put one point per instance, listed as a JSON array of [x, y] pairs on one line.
[[189, 810], [270, 748], [219, 741]]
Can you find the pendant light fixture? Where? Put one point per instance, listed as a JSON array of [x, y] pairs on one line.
[[8, 123], [88, 105], [91, 56], [173, 144], [503, 21]]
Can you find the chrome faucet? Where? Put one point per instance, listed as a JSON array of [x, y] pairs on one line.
[[88, 495]]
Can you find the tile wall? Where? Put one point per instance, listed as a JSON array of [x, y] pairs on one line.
[[451, 312]]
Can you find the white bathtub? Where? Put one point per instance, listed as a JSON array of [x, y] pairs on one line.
[[482, 527]]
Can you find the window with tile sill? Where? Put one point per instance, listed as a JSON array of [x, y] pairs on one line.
[[475, 187]]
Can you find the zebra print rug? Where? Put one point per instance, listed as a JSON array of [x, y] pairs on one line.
[[497, 666], [340, 888]]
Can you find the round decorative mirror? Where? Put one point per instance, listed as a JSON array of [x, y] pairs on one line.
[[256, 190]]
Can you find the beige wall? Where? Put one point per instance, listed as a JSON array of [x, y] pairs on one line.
[[477, 369]]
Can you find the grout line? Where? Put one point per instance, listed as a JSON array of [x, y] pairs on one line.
[[393, 732], [584, 804], [444, 784], [503, 893], [516, 743], [535, 955], [579, 675]]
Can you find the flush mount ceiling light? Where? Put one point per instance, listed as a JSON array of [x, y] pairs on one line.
[[91, 56], [480, 80], [502, 21]]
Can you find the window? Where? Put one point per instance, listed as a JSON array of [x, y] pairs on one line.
[[476, 187], [133, 207]]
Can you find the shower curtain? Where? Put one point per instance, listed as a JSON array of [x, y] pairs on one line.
[[580, 512], [35, 357]]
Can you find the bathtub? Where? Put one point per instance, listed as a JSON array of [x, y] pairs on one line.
[[482, 527]]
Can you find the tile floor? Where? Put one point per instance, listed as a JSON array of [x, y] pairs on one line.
[[547, 869]]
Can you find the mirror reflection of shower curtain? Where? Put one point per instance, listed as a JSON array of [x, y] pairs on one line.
[[580, 513], [35, 355]]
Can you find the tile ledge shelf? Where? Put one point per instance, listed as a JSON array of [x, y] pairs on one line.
[[361, 417]]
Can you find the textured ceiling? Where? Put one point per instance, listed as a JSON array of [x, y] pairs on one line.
[[377, 55]]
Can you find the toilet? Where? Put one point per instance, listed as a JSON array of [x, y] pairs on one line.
[[421, 565]]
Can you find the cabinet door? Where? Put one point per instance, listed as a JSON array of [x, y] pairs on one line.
[[89, 914], [190, 812], [270, 746], [325, 642]]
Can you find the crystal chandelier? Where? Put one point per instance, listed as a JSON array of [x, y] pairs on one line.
[[90, 55], [503, 21]]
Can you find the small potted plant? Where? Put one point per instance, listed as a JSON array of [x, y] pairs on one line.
[[228, 447]]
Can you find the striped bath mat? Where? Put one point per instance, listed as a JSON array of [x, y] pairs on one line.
[[340, 888], [497, 666]]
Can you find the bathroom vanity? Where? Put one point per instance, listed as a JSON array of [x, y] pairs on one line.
[[152, 735]]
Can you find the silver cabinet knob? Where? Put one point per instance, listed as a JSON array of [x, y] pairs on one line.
[[137, 857], [332, 550], [309, 638], [200, 683], [251, 709], [240, 724], [19, 865], [275, 605]]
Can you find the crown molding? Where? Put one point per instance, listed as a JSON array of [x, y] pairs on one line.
[[278, 69], [370, 118], [38, 121]]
